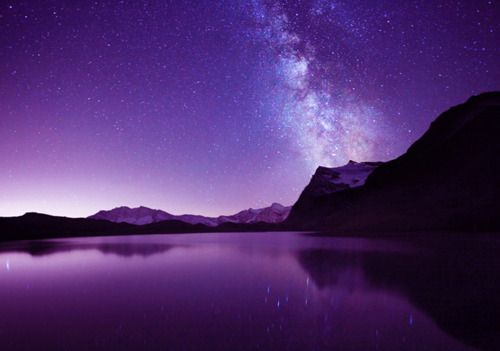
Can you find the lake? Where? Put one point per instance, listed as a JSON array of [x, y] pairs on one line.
[[249, 291]]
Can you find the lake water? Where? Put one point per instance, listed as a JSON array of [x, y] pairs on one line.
[[252, 291]]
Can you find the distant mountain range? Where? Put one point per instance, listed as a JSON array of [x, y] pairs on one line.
[[141, 220], [35, 226], [448, 180], [143, 215]]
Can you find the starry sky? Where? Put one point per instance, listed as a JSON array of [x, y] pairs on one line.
[[210, 107]]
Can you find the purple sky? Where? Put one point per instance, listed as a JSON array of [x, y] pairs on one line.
[[211, 107]]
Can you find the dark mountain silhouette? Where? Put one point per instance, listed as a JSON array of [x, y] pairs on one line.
[[40, 226], [447, 180]]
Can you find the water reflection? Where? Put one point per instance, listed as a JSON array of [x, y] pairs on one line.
[[49, 247], [274, 291], [455, 283]]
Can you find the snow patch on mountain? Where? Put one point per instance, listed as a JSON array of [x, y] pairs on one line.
[[329, 180], [353, 174]]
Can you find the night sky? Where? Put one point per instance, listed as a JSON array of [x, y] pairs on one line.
[[210, 107]]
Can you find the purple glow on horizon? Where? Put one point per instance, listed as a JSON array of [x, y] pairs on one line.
[[213, 107]]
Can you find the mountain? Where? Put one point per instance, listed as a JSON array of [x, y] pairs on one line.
[[449, 179], [143, 215], [275, 213], [142, 220], [41, 226], [327, 181], [330, 180], [33, 226], [140, 215]]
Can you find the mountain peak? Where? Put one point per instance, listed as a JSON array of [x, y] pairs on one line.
[[326, 181], [139, 215], [353, 174], [492, 97]]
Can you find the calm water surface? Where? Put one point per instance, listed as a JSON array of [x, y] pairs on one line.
[[253, 291]]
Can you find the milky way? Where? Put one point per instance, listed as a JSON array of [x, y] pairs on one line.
[[320, 114], [214, 106]]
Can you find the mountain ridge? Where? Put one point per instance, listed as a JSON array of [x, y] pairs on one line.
[[449, 179], [143, 215]]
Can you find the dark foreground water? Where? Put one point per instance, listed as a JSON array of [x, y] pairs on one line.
[[255, 291]]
